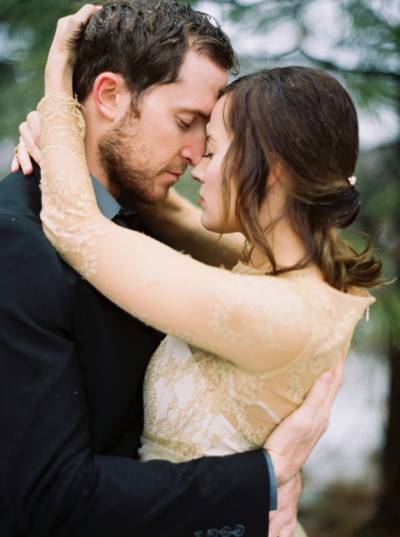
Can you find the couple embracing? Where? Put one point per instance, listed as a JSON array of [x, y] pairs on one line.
[[110, 427]]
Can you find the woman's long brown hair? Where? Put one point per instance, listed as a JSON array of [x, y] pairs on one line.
[[306, 120]]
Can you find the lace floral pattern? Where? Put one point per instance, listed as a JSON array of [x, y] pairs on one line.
[[243, 348], [68, 226], [197, 404]]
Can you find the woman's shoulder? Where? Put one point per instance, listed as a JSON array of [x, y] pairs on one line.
[[319, 306]]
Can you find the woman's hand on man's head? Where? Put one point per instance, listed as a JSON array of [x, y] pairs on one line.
[[61, 60]]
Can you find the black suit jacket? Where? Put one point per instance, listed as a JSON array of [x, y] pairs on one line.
[[71, 373]]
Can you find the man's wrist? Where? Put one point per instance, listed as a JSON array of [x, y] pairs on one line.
[[273, 485]]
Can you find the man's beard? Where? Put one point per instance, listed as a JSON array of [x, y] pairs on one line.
[[123, 156]]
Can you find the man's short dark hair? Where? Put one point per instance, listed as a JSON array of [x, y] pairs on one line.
[[145, 41]]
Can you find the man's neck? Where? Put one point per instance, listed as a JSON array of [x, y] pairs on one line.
[[97, 170], [93, 134]]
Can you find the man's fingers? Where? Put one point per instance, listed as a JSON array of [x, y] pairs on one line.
[[288, 531], [274, 528], [338, 374], [318, 394], [277, 530]]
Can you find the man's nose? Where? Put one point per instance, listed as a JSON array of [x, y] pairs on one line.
[[194, 149]]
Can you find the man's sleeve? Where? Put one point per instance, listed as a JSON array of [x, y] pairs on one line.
[[50, 482]]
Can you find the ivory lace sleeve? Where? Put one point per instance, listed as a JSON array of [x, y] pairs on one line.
[[70, 217], [257, 323]]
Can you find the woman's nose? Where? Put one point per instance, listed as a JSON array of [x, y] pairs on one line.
[[198, 171]]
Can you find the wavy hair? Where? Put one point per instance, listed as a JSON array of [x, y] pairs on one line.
[[146, 42], [306, 120]]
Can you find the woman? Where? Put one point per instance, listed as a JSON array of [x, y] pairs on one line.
[[244, 347]]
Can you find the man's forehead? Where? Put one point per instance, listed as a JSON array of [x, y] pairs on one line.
[[200, 79], [195, 99]]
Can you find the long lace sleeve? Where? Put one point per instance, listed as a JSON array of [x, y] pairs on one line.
[[258, 323], [70, 217]]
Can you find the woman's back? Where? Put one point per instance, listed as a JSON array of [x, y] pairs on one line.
[[199, 404]]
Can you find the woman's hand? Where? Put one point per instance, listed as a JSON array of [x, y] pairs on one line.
[[60, 61], [28, 148], [58, 78]]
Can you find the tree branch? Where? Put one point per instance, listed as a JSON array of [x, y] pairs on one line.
[[273, 5], [332, 66]]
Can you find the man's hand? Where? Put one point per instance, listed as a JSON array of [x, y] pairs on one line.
[[29, 144], [282, 522], [292, 442]]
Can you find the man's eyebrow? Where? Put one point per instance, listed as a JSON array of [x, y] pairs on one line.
[[196, 111]]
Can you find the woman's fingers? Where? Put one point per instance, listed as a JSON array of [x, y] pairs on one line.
[[28, 145], [33, 121], [67, 26], [60, 61], [14, 164], [23, 157], [30, 135]]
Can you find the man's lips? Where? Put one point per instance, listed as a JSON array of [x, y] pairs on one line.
[[177, 174]]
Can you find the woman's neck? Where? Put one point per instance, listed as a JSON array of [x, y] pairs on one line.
[[287, 247]]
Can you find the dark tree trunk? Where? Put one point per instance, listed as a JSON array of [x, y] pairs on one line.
[[386, 521], [388, 514]]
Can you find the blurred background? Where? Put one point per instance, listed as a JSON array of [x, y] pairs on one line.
[[352, 481]]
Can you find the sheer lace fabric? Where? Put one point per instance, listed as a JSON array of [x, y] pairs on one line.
[[199, 404], [67, 206]]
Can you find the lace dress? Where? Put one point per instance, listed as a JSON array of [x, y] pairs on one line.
[[243, 348], [198, 404]]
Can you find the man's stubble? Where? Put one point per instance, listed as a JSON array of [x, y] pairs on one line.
[[125, 157]]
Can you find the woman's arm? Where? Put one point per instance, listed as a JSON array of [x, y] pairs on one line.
[[177, 223], [255, 322]]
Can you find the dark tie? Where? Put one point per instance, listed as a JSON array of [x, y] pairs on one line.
[[127, 218]]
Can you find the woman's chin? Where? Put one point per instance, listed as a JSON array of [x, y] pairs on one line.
[[209, 224]]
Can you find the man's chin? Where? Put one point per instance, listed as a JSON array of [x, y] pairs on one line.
[[154, 197]]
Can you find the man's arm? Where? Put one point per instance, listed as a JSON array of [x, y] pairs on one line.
[[292, 442], [50, 481], [290, 445], [177, 223]]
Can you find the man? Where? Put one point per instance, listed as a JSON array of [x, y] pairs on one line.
[[72, 364]]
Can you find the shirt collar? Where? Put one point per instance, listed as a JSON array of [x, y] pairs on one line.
[[108, 205]]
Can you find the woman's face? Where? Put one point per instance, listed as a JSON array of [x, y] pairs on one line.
[[209, 172]]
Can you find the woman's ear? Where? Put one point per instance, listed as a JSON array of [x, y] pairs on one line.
[[275, 173], [111, 96]]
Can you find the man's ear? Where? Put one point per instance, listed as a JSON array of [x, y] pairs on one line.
[[111, 96]]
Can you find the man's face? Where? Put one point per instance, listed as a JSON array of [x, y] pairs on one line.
[[144, 156]]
